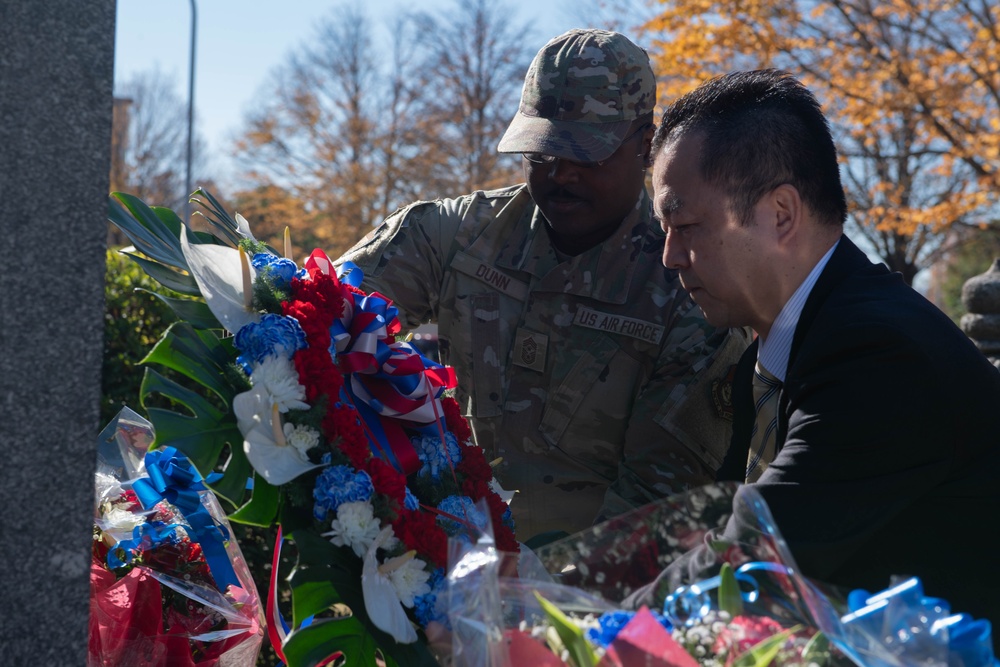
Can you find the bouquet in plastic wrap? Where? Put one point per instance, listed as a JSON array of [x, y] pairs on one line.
[[168, 585], [725, 597], [354, 448]]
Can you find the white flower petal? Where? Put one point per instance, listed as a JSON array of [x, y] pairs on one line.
[[219, 275], [381, 602], [279, 378], [243, 227], [505, 495], [410, 581], [276, 463]]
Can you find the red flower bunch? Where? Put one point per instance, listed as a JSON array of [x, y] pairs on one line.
[[317, 303]]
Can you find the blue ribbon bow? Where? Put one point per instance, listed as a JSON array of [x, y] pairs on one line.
[[172, 477], [145, 536], [897, 610]]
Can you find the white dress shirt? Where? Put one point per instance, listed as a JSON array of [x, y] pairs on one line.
[[773, 351]]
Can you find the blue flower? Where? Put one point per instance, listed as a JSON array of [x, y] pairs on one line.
[[425, 607], [507, 518], [337, 485], [431, 451], [461, 507], [410, 502], [280, 270], [274, 334], [612, 623]]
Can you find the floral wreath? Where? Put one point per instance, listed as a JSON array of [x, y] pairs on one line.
[[356, 451]]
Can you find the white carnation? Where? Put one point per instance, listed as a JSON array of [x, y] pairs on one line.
[[302, 438], [277, 375], [355, 527], [410, 580]]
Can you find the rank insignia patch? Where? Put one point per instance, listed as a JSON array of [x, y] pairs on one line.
[[529, 349], [722, 394]]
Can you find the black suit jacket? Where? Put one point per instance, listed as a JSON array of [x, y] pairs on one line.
[[889, 437]]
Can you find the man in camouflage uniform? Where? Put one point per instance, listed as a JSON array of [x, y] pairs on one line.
[[582, 363]]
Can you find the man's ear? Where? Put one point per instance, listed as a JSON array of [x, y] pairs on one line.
[[787, 208]]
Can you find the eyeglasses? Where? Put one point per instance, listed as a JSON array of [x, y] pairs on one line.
[[541, 158]]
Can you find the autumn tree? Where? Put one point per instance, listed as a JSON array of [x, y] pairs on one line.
[[149, 140], [354, 131], [476, 65], [911, 88], [270, 208]]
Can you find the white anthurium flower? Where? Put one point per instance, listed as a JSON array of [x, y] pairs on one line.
[[505, 495], [219, 272], [243, 228], [381, 600], [265, 441]]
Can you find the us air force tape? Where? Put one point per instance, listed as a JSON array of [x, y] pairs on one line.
[[619, 324]]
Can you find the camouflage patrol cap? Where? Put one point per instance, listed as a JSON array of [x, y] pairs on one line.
[[580, 95]]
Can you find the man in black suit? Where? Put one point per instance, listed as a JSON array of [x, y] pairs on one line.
[[881, 455]]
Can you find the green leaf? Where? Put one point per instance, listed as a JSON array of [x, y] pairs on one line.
[[310, 646], [165, 275], [262, 508], [581, 654], [730, 600], [194, 312], [817, 649], [216, 215], [148, 232], [324, 575], [198, 355], [763, 653], [169, 219], [202, 437]]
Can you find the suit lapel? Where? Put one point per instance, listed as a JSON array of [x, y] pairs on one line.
[[846, 260]]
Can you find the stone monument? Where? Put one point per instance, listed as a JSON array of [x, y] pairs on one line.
[[56, 71], [981, 298]]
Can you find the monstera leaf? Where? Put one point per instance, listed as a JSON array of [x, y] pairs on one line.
[[208, 429], [325, 575]]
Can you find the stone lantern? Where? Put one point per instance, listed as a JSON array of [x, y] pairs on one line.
[[981, 323]]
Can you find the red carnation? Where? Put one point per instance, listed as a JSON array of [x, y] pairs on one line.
[[503, 535], [474, 465], [341, 425], [387, 480], [457, 424], [419, 531], [475, 488]]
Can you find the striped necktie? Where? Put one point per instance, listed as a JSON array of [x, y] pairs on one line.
[[763, 438]]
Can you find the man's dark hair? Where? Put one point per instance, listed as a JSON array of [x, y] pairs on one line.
[[760, 129]]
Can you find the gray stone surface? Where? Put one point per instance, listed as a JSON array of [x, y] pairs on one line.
[[56, 68], [981, 297]]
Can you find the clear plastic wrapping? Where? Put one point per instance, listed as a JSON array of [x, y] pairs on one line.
[[169, 585]]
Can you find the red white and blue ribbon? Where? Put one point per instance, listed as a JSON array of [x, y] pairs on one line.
[[392, 385]]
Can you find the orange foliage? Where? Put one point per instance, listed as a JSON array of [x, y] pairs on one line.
[[912, 89]]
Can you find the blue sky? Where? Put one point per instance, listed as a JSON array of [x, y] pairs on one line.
[[239, 42]]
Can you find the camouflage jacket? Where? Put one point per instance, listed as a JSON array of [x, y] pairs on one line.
[[592, 378]]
